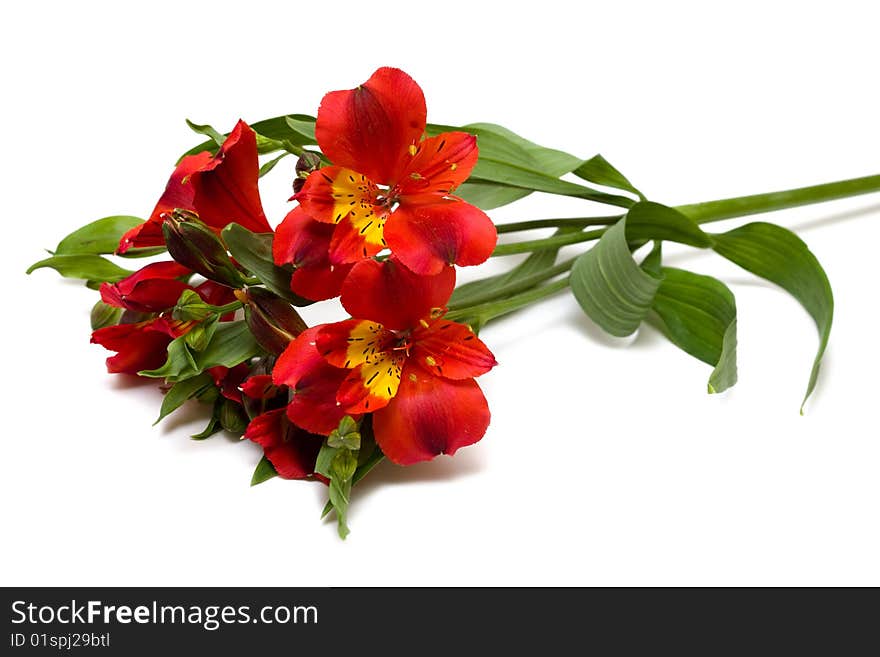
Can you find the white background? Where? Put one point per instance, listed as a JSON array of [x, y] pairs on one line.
[[606, 462]]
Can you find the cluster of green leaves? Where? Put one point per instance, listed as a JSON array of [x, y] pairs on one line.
[[696, 312], [347, 455], [81, 254]]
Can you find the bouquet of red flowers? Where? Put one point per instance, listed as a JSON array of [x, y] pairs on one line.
[[386, 208]]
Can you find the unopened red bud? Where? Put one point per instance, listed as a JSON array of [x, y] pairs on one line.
[[306, 164], [272, 320], [194, 245]]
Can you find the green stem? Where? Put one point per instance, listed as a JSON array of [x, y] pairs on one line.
[[553, 242], [702, 213], [516, 286], [742, 206], [575, 222], [228, 308], [482, 313]]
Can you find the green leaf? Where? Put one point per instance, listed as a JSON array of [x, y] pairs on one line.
[[254, 252], [513, 175], [206, 130], [488, 196], [214, 423], [263, 472], [268, 166], [199, 336], [491, 287], [302, 126], [346, 435], [781, 257], [611, 288], [101, 236], [86, 267], [599, 171], [179, 364], [342, 470], [104, 314], [231, 343], [491, 140], [182, 391], [653, 221], [698, 314]]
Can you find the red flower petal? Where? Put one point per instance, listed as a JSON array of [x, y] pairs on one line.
[[291, 450], [389, 293], [177, 194], [314, 383], [215, 294], [370, 128], [440, 165], [259, 386], [225, 190], [428, 237], [429, 416], [298, 359], [141, 346], [314, 406], [352, 342], [152, 288], [372, 384], [229, 380], [300, 240], [305, 243], [451, 350], [319, 282], [355, 239]]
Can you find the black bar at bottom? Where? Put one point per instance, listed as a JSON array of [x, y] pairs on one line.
[[133, 621]]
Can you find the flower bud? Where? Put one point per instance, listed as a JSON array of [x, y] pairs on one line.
[[271, 319], [306, 163], [194, 245]]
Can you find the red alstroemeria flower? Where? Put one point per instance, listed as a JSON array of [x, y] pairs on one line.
[[291, 450], [140, 346], [220, 189], [389, 187], [398, 359], [151, 289]]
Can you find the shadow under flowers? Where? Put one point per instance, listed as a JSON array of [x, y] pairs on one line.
[[466, 462]]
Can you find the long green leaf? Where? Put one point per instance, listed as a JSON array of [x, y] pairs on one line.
[[598, 170], [698, 314], [611, 288], [488, 195], [97, 237], [86, 267], [254, 252], [780, 256], [653, 221]]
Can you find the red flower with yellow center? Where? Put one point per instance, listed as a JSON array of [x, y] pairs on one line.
[[220, 189], [388, 186], [398, 359]]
